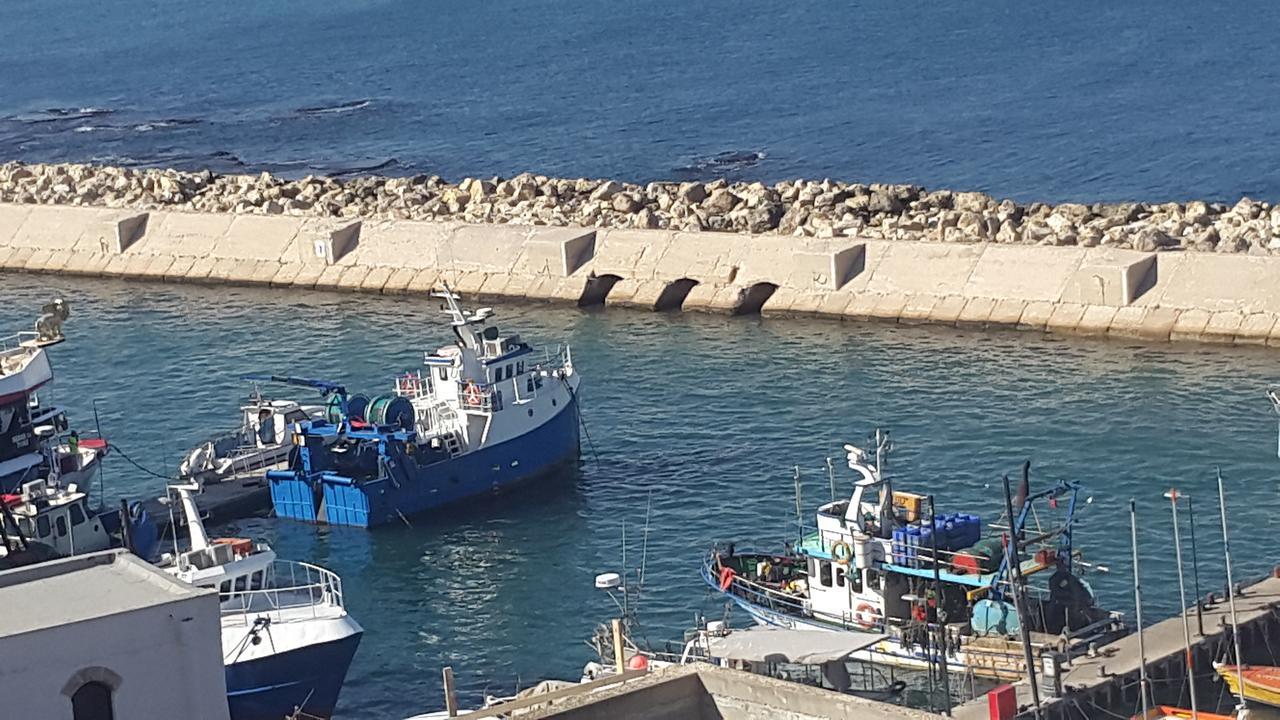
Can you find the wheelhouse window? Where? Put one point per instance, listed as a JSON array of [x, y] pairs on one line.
[[42, 526], [824, 573], [92, 701], [77, 515], [61, 524], [839, 577]]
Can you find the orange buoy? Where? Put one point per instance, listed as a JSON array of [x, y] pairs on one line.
[[726, 578]]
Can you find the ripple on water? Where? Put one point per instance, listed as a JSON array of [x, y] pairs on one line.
[[704, 417]]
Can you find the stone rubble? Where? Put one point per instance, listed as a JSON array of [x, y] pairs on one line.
[[809, 208]]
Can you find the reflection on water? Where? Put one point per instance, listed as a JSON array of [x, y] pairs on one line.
[[705, 415]]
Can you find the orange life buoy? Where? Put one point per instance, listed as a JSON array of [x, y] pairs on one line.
[[866, 615], [726, 578], [473, 394]]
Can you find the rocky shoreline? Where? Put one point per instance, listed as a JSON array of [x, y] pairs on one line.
[[823, 208]]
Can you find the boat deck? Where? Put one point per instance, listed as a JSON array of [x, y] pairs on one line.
[[240, 496], [1164, 643]]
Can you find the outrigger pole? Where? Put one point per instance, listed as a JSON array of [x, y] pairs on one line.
[[1013, 559], [1173, 496]]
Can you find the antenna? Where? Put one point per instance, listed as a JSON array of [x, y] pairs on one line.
[[831, 478]]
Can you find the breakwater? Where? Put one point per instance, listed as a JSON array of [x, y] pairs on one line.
[[1142, 274]]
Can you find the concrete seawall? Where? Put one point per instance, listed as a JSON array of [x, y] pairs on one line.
[[1101, 291]]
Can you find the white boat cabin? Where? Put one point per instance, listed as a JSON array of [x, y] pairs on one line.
[[57, 516], [486, 388]]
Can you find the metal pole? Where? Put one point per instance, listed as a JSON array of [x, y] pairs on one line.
[[799, 512], [1195, 568], [831, 478], [939, 613], [1182, 597], [1015, 564], [1231, 590], [450, 696], [1143, 687]]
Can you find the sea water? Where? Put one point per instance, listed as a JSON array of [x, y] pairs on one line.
[[695, 424]]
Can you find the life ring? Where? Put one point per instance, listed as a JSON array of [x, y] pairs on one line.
[[866, 616], [726, 578], [842, 557], [473, 394]]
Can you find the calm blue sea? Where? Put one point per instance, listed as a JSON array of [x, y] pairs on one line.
[[702, 416], [1060, 101]]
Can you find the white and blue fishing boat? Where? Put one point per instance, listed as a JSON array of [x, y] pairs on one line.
[[484, 415], [287, 639], [35, 441], [923, 588]]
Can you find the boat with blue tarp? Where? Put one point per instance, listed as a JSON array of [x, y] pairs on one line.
[[483, 415], [939, 589]]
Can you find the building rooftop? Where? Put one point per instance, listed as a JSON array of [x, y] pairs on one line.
[[701, 691], [82, 588]]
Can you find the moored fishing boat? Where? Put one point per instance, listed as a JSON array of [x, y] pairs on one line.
[[35, 441], [881, 563], [230, 467], [287, 639], [61, 518], [484, 416]]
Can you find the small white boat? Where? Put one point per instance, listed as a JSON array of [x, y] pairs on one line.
[[261, 442], [287, 639]]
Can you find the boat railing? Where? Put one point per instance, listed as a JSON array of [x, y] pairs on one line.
[[13, 347], [474, 396], [291, 585], [413, 385], [25, 340]]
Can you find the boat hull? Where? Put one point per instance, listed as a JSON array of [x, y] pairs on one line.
[[276, 686], [493, 469], [890, 650], [1261, 683]]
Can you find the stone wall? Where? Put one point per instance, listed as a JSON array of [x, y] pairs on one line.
[[1102, 291], [821, 209]]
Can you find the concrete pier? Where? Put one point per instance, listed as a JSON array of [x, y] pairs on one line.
[[1106, 684], [1157, 296]]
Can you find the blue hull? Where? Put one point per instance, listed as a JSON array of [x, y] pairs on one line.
[[273, 687], [490, 470]]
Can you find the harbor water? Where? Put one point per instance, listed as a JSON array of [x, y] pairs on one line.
[[700, 416], [1077, 102]]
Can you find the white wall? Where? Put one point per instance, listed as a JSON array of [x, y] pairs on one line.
[[169, 659]]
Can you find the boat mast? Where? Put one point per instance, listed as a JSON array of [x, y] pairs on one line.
[[1137, 601], [1015, 563], [1231, 592], [1182, 598], [939, 613], [195, 527]]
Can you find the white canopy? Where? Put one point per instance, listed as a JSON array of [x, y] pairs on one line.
[[803, 647]]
